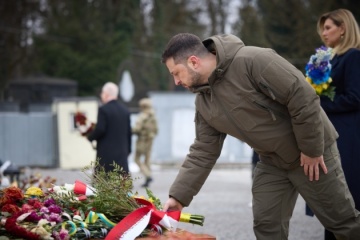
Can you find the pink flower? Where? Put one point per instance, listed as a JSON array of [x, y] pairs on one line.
[[44, 210], [62, 235], [54, 217], [26, 207]]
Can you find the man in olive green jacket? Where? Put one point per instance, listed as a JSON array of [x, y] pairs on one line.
[[258, 97]]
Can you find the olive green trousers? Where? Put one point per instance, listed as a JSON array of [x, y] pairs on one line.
[[143, 148], [275, 192]]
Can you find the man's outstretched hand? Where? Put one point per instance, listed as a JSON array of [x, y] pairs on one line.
[[172, 204], [311, 166]]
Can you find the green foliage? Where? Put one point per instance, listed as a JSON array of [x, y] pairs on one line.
[[244, 28], [92, 42], [156, 201], [113, 192], [291, 30]]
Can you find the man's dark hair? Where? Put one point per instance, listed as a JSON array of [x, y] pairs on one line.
[[182, 46]]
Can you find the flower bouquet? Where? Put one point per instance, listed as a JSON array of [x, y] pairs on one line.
[[318, 71], [106, 209], [83, 124]]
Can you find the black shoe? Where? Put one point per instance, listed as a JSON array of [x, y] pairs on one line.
[[147, 182]]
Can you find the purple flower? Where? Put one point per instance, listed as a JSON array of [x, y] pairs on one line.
[[54, 217], [54, 209], [33, 217], [44, 210], [321, 48], [49, 202]]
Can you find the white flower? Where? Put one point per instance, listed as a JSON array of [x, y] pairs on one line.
[[64, 190], [44, 235]]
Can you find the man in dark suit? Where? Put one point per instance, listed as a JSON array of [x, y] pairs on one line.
[[113, 131]]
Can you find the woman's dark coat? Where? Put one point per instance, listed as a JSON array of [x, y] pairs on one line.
[[344, 113], [113, 135]]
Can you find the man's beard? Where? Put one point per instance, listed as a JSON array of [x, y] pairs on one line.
[[195, 78]]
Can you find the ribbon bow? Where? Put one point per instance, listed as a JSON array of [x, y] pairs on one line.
[[135, 223], [83, 189]]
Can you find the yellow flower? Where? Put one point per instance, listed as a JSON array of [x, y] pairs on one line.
[[308, 80], [318, 89], [33, 191], [325, 86]]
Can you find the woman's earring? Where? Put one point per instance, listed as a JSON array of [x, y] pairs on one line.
[[342, 36]]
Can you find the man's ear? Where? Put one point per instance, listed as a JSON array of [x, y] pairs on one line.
[[193, 61]]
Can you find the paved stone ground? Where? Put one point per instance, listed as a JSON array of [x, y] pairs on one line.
[[224, 201]]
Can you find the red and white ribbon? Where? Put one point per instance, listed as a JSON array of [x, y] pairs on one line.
[[83, 189], [135, 223]]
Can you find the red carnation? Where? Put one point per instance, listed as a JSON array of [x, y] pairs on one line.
[[10, 208], [13, 193], [35, 203], [17, 231]]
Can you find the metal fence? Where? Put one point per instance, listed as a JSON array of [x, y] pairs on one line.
[[29, 139]]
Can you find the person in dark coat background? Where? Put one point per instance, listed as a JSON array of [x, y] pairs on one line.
[[112, 132], [339, 30]]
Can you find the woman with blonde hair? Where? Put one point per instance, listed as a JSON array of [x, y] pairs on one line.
[[339, 30]]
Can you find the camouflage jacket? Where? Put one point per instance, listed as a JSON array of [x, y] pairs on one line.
[[146, 125]]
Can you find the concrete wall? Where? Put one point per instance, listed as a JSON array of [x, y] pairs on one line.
[[28, 139], [50, 139], [175, 112]]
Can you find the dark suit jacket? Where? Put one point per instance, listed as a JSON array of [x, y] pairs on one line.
[[344, 113], [113, 135]]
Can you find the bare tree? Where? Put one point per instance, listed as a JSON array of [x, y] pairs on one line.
[[218, 11], [16, 20]]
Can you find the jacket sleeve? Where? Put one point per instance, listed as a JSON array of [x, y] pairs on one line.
[[349, 99], [282, 82], [100, 127], [198, 164], [138, 124]]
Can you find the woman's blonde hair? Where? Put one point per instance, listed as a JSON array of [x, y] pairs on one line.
[[344, 18]]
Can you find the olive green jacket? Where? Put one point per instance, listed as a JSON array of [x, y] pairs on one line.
[[258, 97]]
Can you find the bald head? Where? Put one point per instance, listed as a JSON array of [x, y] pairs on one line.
[[109, 92]]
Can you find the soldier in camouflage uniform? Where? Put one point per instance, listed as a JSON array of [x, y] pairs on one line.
[[145, 129]]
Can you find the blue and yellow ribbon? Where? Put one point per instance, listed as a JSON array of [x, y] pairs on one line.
[[93, 217]]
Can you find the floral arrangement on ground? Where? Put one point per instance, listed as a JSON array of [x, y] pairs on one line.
[[103, 208]]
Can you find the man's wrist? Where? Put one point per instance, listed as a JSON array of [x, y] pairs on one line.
[[176, 200]]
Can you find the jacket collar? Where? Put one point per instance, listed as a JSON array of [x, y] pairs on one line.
[[201, 89], [225, 47]]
